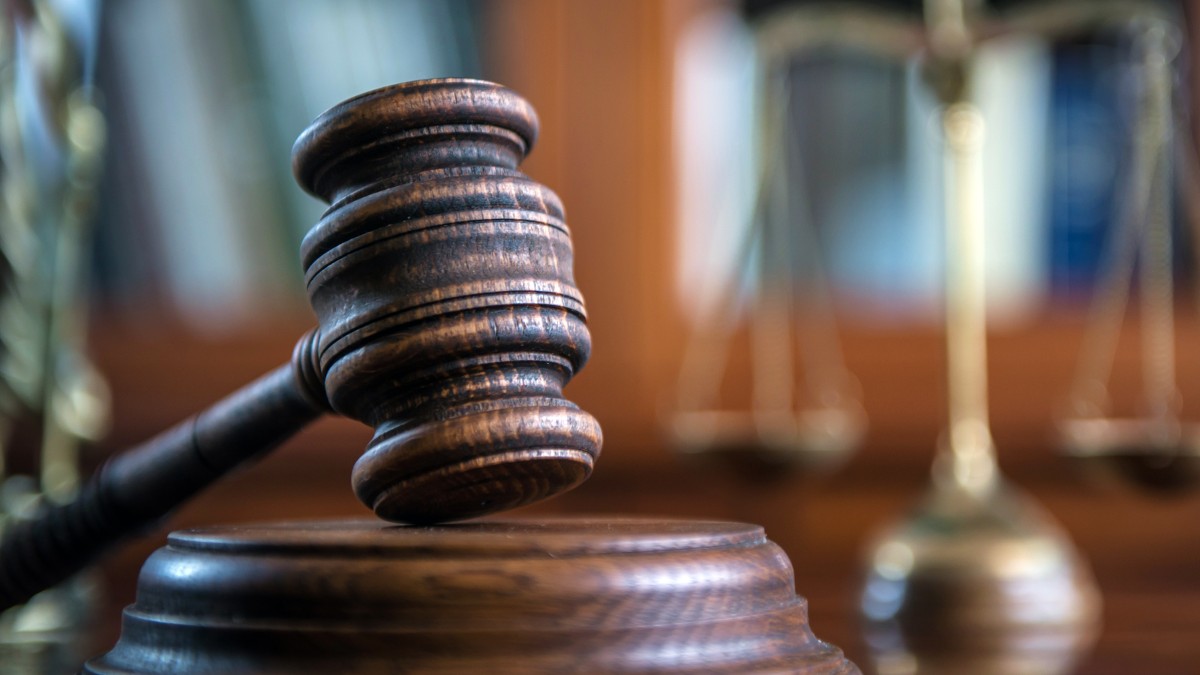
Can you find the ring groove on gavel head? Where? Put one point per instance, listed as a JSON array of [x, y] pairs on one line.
[[449, 317]]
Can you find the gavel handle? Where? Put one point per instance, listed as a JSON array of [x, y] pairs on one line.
[[136, 489]]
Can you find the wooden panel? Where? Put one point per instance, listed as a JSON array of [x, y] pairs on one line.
[[599, 75]]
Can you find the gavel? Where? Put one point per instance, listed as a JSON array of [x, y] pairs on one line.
[[448, 320]]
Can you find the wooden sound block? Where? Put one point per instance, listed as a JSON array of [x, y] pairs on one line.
[[585, 595]]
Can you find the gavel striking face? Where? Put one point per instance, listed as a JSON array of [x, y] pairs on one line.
[[449, 318]]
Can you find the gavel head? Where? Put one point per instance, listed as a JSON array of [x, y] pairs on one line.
[[448, 316]]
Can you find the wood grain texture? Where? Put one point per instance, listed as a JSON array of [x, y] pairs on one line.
[[449, 318], [524, 596]]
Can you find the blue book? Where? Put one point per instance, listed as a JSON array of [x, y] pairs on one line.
[[1088, 156]]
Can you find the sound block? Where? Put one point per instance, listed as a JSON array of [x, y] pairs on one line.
[[586, 595]]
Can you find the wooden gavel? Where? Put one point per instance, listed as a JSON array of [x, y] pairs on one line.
[[449, 321]]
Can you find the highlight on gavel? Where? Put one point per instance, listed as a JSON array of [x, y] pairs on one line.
[[449, 321]]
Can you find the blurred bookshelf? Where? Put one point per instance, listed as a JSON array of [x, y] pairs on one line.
[[201, 219]]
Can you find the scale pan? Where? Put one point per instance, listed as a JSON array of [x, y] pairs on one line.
[[762, 443], [1152, 455]]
